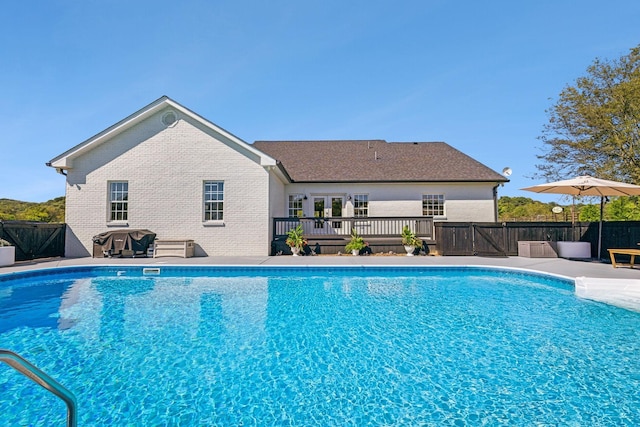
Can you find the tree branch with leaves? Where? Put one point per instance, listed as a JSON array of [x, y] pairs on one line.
[[594, 127]]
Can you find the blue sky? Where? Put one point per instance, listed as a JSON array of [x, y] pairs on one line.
[[477, 75]]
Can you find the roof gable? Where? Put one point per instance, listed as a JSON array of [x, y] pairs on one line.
[[376, 161], [65, 160]]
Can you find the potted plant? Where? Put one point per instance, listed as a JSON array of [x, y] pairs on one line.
[[356, 244], [410, 240], [295, 239], [7, 253]]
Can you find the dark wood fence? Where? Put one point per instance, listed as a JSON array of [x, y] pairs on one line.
[[34, 239], [43, 240], [501, 239], [329, 235]]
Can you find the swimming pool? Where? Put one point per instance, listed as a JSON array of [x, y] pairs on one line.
[[316, 346]]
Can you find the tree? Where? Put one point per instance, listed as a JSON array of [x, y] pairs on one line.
[[590, 213], [510, 208], [50, 211], [622, 209], [595, 124]]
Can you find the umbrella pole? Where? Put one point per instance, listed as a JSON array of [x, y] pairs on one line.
[[600, 226], [573, 218]]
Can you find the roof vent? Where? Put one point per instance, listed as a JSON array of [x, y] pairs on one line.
[[169, 118]]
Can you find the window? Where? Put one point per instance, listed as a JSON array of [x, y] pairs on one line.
[[360, 205], [118, 201], [213, 200], [433, 204], [295, 205]]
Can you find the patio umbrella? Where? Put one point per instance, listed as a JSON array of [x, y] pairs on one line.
[[588, 186]]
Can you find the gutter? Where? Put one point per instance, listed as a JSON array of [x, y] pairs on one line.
[[59, 170]]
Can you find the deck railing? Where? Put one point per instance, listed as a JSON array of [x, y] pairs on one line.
[[339, 227]]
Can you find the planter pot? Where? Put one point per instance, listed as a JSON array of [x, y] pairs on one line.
[[295, 251], [355, 252], [409, 249], [7, 255]]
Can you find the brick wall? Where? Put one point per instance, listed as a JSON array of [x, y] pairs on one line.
[[165, 168]]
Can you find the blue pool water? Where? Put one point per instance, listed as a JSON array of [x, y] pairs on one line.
[[317, 346]]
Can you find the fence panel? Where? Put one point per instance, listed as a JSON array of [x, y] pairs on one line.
[[34, 239], [487, 238], [454, 238], [539, 231]]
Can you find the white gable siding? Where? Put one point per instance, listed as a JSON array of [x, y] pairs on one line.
[[165, 168]]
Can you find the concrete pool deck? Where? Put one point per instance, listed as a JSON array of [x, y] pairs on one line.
[[594, 279], [558, 266]]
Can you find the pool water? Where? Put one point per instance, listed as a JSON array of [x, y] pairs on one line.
[[317, 346]]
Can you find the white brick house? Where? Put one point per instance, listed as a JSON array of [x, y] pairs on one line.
[[167, 169]]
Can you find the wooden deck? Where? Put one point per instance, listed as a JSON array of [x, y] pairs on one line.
[[330, 235]]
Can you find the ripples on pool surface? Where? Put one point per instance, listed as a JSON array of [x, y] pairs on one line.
[[329, 347]]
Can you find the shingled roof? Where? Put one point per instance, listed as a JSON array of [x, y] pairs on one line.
[[376, 161]]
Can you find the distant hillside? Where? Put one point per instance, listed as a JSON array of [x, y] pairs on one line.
[[50, 211]]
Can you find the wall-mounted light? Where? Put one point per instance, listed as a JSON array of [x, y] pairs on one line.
[[348, 196], [305, 197]]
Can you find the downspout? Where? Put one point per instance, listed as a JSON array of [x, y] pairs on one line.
[[495, 203]]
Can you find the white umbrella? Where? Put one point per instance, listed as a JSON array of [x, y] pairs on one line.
[[588, 186]]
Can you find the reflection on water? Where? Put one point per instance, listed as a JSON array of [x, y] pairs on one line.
[[32, 305], [123, 308]]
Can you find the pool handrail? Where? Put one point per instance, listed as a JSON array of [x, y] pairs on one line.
[[38, 376]]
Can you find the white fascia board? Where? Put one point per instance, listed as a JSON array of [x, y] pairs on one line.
[[265, 160], [65, 160]]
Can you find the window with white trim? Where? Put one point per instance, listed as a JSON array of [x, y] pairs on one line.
[[295, 205], [118, 201], [360, 205], [433, 204], [213, 200]]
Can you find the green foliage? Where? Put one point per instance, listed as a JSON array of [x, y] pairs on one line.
[[590, 213], [409, 238], [594, 125], [525, 209], [50, 211], [295, 238], [522, 207], [617, 209], [622, 209], [356, 243]]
